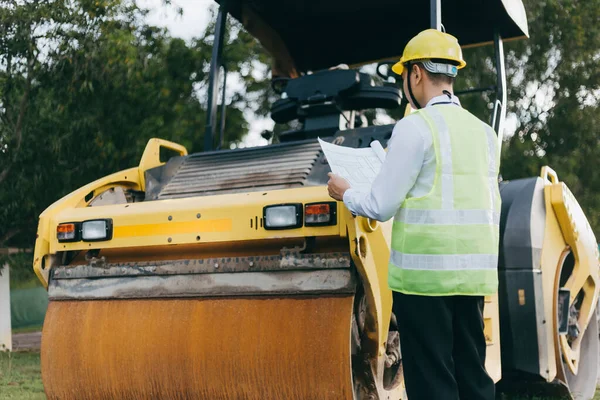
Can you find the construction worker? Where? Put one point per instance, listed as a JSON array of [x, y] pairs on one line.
[[439, 183]]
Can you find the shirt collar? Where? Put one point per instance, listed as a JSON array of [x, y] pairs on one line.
[[444, 99]]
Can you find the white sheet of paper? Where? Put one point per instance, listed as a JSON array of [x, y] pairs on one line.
[[358, 166]]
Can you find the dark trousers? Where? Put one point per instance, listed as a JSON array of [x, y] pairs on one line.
[[443, 347]]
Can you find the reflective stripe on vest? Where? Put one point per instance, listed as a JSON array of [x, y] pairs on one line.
[[434, 262], [447, 241], [447, 217]]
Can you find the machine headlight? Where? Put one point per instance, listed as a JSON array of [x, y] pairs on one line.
[[283, 216], [96, 230]]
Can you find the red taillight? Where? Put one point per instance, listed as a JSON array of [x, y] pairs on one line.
[[317, 214], [65, 228], [317, 209], [67, 232]]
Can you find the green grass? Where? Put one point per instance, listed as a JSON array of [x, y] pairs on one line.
[[28, 329], [28, 283], [20, 376]]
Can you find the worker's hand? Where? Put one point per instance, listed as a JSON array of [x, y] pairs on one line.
[[337, 186]]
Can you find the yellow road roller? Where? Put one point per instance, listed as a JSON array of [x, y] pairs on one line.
[[231, 274]]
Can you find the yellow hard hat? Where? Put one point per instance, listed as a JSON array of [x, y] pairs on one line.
[[429, 44]]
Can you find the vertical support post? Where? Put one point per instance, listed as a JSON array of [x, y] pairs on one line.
[[435, 14], [223, 106], [499, 115], [5, 327], [213, 91]]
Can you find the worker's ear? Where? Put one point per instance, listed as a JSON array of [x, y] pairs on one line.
[[417, 72]]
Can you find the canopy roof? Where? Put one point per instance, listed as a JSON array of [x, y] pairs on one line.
[[309, 35]]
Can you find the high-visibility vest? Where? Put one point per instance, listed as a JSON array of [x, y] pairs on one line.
[[446, 242]]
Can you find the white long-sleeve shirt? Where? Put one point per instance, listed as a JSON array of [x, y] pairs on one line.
[[408, 170]]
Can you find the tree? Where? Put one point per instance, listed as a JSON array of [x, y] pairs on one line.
[[83, 86], [554, 93]]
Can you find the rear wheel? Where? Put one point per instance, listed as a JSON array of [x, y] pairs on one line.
[[582, 384]]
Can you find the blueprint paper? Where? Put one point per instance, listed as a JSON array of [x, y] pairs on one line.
[[358, 166]]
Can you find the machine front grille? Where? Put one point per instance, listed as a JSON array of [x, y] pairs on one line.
[[261, 168]]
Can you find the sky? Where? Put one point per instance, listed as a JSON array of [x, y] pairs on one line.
[[193, 21]]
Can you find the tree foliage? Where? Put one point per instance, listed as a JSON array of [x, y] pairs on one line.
[[554, 93], [83, 86]]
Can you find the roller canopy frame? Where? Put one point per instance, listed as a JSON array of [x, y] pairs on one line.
[[311, 35], [315, 35]]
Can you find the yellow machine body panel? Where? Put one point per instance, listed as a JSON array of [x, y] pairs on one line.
[[133, 178]]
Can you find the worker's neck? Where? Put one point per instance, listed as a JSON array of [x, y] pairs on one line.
[[431, 91]]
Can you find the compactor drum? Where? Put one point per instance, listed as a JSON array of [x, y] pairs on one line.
[[233, 275]]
